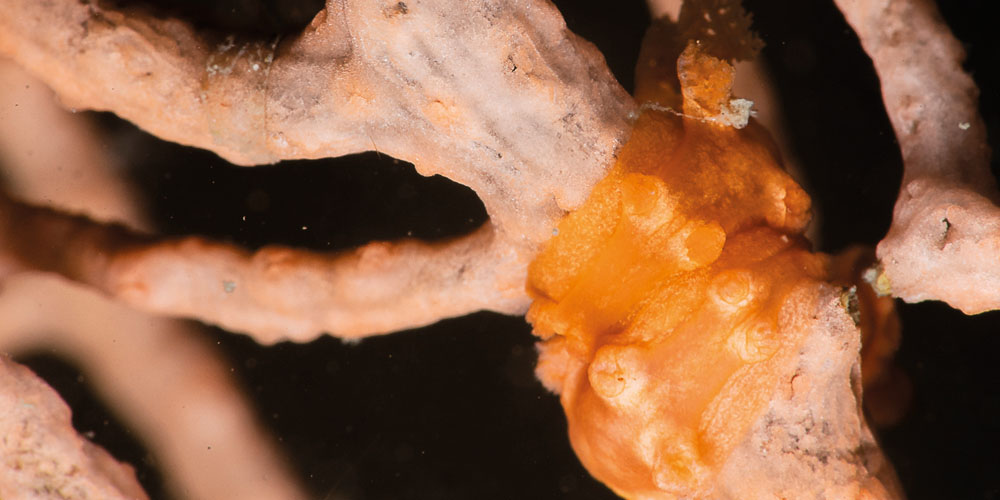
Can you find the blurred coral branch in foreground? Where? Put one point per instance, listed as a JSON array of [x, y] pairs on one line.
[[499, 96], [110, 342]]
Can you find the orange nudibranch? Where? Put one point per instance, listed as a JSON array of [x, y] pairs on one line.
[[659, 301]]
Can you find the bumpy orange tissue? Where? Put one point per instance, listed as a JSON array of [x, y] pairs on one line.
[[658, 300]]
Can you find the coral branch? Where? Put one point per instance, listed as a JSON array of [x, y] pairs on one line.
[[184, 404], [668, 8], [48, 154], [944, 241], [43, 457], [497, 96], [275, 293], [54, 157]]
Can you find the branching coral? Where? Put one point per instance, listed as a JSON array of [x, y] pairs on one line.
[[945, 237], [401, 83], [110, 342], [430, 108]]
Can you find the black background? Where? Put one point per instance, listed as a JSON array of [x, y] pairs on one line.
[[453, 410]]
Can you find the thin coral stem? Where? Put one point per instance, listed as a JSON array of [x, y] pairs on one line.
[[931, 101], [166, 382], [275, 293]]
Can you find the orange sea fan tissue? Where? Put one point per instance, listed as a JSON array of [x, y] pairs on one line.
[[659, 301]]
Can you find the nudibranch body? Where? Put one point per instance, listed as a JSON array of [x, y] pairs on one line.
[[661, 302]]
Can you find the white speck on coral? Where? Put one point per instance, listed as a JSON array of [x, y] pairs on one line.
[[228, 44]]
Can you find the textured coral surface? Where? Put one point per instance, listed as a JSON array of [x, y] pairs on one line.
[[451, 411], [674, 301], [42, 456]]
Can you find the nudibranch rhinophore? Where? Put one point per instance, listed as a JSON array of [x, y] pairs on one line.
[[663, 301]]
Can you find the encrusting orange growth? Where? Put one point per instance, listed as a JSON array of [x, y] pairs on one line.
[[887, 388], [659, 300]]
